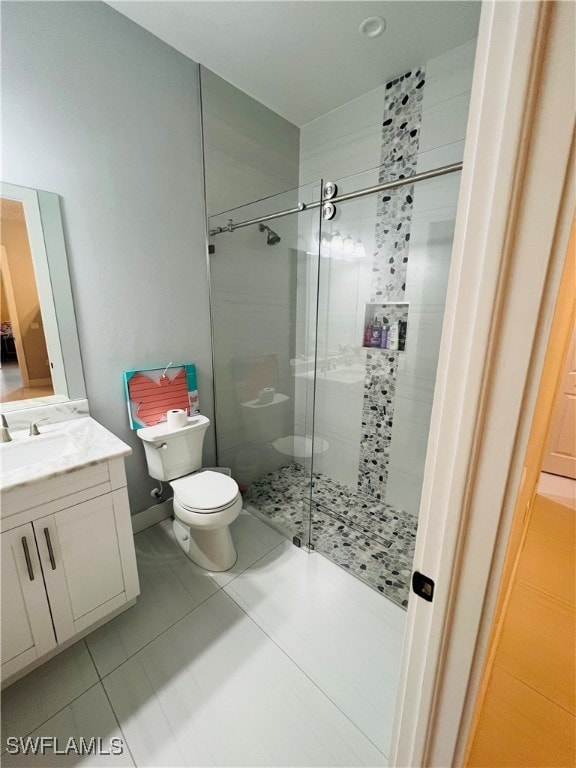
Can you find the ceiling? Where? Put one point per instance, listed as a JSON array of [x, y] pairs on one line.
[[304, 58]]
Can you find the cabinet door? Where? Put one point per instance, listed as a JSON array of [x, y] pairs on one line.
[[82, 563], [27, 631]]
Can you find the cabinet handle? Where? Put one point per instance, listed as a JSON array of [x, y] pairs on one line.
[[50, 550], [27, 556]]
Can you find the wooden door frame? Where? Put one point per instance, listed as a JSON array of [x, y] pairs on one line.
[[13, 310], [514, 215]]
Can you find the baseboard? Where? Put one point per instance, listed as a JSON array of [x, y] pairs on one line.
[[40, 382], [62, 646], [151, 516]]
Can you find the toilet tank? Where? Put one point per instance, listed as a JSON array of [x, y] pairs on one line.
[[172, 453]]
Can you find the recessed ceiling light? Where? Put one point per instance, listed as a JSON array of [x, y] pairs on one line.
[[373, 26]]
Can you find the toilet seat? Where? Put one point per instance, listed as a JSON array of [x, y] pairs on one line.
[[205, 492]]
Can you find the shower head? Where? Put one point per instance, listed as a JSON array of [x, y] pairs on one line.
[[272, 238]]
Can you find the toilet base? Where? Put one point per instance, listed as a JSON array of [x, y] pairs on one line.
[[211, 549]]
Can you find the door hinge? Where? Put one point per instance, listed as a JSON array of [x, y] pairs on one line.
[[423, 586]]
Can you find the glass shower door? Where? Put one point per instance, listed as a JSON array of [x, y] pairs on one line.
[[382, 284], [264, 286]]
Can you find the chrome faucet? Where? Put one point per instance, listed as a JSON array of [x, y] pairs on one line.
[[4, 432], [33, 429]]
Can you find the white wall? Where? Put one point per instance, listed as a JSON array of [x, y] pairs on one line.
[[107, 116]]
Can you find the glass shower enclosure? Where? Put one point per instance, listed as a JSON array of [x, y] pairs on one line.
[[264, 286], [326, 338]]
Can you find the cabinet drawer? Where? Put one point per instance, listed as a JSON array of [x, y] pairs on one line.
[[26, 503]]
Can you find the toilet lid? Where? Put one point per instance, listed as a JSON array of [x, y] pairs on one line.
[[205, 490]]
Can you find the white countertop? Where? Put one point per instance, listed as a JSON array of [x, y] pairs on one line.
[[92, 442]]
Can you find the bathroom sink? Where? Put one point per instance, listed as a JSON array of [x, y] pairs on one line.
[[346, 375], [354, 374], [26, 451]]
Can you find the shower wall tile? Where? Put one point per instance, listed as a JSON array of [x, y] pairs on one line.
[[344, 142], [447, 100]]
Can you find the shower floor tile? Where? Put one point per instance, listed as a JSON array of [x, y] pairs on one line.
[[372, 540]]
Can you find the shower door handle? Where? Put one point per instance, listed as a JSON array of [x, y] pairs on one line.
[[423, 586]]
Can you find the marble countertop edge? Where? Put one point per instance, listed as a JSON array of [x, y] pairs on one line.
[[93, 443]]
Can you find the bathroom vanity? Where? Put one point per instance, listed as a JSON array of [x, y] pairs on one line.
[[68, 559]]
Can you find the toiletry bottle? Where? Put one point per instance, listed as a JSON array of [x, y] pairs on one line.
[[376, 333], [368, 335], [384, 337], [402, 329], [393, 336]]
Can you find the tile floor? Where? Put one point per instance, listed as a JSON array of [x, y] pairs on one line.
[[368, 537], [283, 661]]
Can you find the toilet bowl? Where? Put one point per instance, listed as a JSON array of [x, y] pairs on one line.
[[205, 504], [205, 501]]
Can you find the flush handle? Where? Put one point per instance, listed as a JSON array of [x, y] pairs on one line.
[[50, 550], [27, 556], [162, 446]]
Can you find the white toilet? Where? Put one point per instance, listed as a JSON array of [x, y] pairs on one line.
[[205, 501]]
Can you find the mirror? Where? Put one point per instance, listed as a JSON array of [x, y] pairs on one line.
[[39, 340]]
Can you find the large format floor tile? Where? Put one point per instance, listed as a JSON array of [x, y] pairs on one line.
[[170, 587], [215, 690], [87, 716], [31, 701], [345, 636], [253, 539]]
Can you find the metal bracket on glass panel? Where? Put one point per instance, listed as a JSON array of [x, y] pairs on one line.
[[329, 190]]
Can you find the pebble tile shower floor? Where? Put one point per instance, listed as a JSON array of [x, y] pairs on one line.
[[367, 537]]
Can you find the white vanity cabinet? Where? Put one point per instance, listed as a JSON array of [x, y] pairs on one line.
[[68, 562], [27, 631]]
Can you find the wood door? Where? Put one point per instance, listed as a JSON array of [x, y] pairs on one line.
[[82, 563], [560, 457], [27, 631]]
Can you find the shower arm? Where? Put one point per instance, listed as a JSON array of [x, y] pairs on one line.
[[424, 176]]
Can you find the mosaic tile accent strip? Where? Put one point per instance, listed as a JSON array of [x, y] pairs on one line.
[[378, 411], [371, 539], [400, 138], [399, 156]]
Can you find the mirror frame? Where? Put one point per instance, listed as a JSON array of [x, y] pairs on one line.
[[48, 250]]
